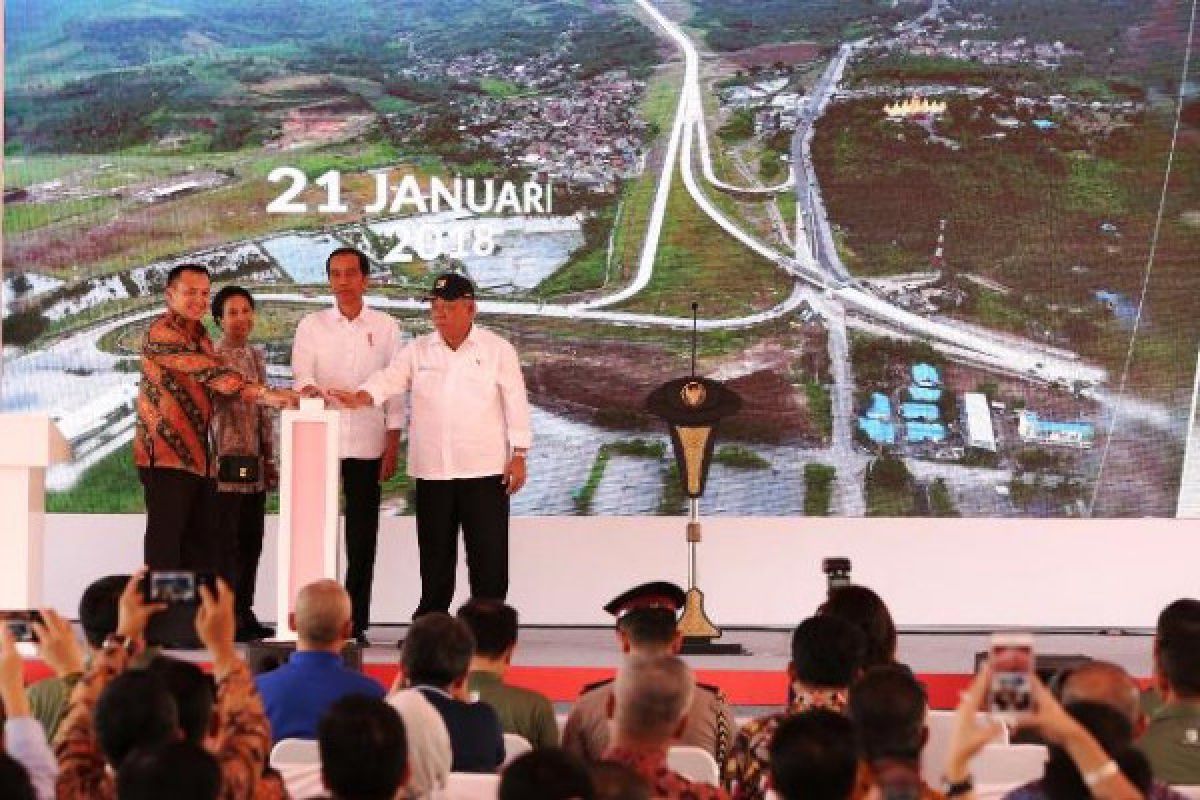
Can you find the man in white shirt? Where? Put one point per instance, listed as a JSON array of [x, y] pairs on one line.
[[340, 347], [468, 435]]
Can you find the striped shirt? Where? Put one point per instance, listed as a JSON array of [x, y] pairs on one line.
[[181, 370]]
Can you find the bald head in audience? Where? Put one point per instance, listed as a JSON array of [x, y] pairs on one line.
[[651, 697], [1105, 684], [322, 618]]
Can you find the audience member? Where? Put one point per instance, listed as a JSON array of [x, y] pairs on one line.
[[24, 739], [546, 774], [1107, 684], [364, 752], [98, 617], [194, 694], [521, 711], [297, 694], [613, 781], [435, 657], [888, 706], [650, 700], [1172, 739], [1099, 775], [814, 757], [1110, 685], [865, 610], [827, 654], [134, 708], [647, 626], [180, 770], [429, 752], [1113, 732]]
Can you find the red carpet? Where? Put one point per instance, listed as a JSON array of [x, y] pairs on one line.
[[741, 687], [563, 684]]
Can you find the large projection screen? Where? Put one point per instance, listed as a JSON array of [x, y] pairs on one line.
[[945, 252]]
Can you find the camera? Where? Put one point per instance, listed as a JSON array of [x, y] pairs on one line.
[[20, 624], [177, 587], [837, 571]]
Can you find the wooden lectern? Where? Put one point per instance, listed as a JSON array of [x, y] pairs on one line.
[[308, 504], [29, 442]]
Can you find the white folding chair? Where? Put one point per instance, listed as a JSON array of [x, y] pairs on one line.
[[1009, 764], [694, 763], [295, 752], [303, 781], [1190, 792], [299, 764], [471, 786], [933, 757], [515, 745]]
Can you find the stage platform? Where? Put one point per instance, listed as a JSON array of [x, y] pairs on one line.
[[560, 661]]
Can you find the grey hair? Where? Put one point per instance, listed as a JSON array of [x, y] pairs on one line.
[[653, 693]]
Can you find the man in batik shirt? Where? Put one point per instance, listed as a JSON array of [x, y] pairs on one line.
[[650, 701], [827, 655]]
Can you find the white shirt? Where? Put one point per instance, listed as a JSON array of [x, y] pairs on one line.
[[333, 352], [25, 741], [467, 406]]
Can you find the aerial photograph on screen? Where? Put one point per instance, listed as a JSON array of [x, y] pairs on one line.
[[946, 251]]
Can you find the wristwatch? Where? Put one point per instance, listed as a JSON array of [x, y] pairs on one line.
[[957, 788], [118, 641]]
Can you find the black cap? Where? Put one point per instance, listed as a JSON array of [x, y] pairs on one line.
[[656, 594], [451, 286]]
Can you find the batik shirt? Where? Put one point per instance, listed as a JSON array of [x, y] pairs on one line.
[[241, 427], [748, 766], [181, 370], [242, 744], [665, 784]]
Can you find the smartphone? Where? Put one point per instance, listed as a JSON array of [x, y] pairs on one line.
[[1010, 694], [20, 624], [177, 587]]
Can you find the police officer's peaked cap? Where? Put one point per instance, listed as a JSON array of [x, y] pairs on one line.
[[656, 594]]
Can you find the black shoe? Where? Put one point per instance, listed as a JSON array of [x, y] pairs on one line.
[[361, 640], [263, 631]]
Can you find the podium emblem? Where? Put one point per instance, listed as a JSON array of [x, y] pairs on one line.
[[693, 394]]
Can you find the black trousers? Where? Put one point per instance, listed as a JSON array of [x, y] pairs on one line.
[[181, 520], [480, 506], [241, 519], [360, 484]]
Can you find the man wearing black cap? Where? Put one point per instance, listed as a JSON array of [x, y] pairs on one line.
[[647, 626], [468, 434]]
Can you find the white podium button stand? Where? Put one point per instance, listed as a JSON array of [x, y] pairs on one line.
[[308, 504], [29, 442]]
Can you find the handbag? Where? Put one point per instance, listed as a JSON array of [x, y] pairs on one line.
[[238, 469]]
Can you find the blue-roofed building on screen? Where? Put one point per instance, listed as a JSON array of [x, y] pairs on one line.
[[926, 375]]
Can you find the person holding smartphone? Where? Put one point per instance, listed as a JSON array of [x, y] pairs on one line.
[[246, 469], [1098, 770]]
